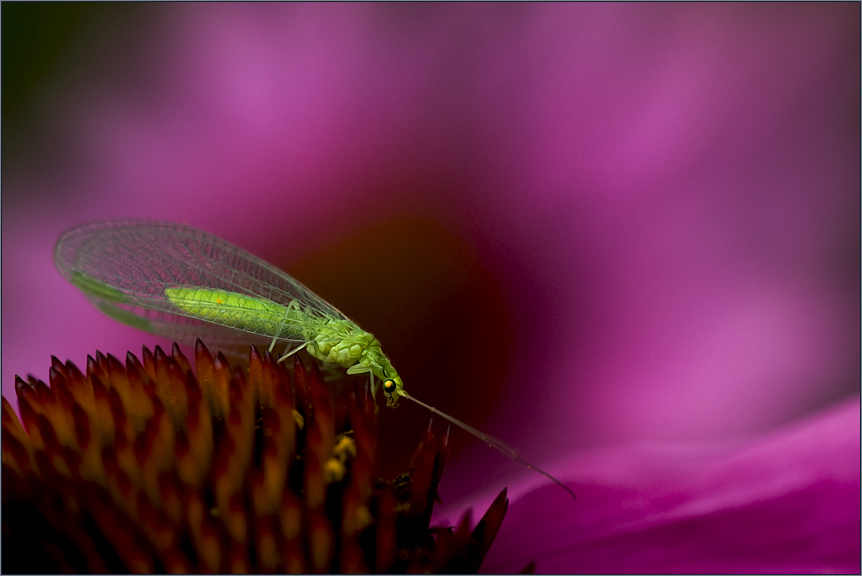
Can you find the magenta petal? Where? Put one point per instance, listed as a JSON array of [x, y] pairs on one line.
[[787, 503]]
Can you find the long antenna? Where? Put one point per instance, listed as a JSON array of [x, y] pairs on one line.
[[495, 443]]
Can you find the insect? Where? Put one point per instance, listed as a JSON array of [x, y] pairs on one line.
[[182, 283]]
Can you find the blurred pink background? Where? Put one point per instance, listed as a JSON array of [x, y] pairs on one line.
[[571, 225]]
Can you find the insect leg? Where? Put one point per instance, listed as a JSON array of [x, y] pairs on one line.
[[373, 392], [292, 352], [360, 369]]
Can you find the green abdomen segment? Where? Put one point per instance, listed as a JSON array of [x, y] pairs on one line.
[[236, 310]]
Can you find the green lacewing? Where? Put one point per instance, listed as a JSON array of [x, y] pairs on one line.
[[183, 283]]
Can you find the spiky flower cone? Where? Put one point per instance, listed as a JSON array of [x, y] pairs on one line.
[[149, 468]]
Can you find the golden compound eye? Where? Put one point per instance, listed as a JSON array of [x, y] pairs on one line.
[[389, 386]]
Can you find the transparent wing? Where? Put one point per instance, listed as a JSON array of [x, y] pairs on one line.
[[124, 268]]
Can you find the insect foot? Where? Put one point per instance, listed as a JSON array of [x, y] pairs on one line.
[[150, 466]]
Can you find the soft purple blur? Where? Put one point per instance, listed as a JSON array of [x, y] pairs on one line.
[[571, 225], [787, 503]]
